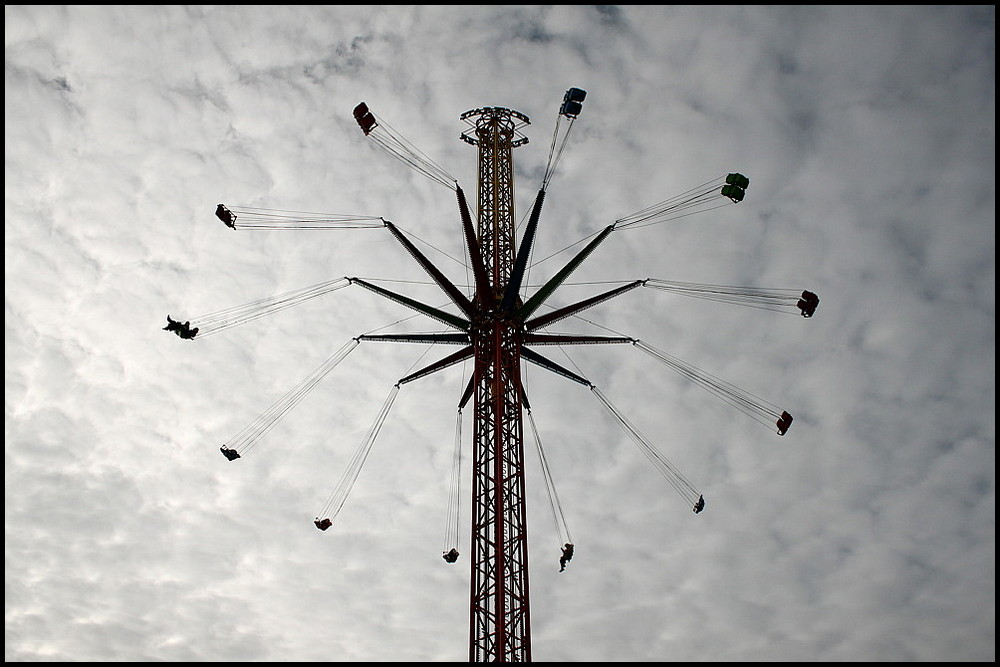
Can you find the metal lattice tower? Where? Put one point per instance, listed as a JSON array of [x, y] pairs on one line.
[[499, 627]]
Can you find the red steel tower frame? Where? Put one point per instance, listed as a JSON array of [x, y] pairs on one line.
[[499, 627]]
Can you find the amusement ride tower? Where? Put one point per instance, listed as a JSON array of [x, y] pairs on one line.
[[500, 623], [497, 329]]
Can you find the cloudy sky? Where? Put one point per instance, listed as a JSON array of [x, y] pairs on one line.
[[868, 135]]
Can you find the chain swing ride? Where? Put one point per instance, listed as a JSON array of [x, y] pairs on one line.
[[497, 327]]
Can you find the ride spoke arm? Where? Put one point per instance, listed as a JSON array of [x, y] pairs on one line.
[[447, 338], [430, 311], [569, 339], [475, 252], [467, 394], [548, 364], [449, 288], [450, 360], [548, 288], [521, 262], [572, 309]]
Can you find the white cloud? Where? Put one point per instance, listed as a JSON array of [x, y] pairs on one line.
[[868, 134]]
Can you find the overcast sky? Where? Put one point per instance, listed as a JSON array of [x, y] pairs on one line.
[[865, 533]]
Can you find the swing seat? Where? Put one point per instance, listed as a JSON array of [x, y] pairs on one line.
[[784, 423]]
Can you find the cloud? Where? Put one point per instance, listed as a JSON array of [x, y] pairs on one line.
[[868, 135]]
